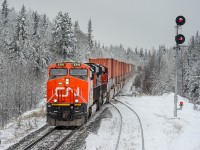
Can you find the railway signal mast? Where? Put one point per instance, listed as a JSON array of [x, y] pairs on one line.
[[180, 39]]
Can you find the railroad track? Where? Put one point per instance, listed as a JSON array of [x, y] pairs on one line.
[[30, 138], [52, 140], [121, 124], [120, 128], [49, 140]]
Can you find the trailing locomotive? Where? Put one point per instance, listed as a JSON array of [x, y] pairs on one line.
[[75, 91]]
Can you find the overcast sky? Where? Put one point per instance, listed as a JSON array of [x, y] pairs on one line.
[[141, 23]]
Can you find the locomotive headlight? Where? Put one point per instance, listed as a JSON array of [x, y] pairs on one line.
[[67, 81], [55, 100], [76, 100]]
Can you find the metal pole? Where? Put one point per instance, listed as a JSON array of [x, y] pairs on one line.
[[176, 78]]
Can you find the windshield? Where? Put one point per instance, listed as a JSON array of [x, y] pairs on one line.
[[58, 72], [78, 72]]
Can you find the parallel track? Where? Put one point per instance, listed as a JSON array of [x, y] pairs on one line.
[[141, 129], [119, 135]]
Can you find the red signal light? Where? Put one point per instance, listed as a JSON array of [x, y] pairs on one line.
[[180, 39], [181, 103], [180, 20]]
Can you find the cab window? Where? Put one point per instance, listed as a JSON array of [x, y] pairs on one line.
[[79, 73], [57, 72]]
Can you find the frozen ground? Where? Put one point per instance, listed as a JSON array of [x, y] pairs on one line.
[[17, 130], [161, 130]]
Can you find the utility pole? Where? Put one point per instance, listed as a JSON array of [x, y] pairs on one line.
[[180, 39]]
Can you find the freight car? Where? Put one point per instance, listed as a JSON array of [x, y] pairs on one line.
[[75, 91]]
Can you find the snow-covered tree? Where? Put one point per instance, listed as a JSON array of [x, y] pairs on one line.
[[90, 36], [63, 38]]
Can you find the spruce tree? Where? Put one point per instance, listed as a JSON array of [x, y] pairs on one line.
[[90, 36], [36, 23], [5, 9]]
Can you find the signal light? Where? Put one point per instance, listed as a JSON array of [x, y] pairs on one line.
[[181, 105], [180, 20], [180, 39]]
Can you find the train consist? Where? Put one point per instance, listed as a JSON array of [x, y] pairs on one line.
[[75, 91]]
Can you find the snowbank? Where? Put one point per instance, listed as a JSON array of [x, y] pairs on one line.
[[27, 123]]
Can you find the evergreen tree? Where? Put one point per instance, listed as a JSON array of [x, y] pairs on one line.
[[22, 25], [90, 36], [5, 10], [141, 52], [44, 26], [63, 37], [136, 51], [36, 22]]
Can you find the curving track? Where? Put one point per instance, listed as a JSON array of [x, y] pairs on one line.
[[120, 131], [120, 113]]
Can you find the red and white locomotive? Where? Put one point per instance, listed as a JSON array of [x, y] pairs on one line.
[[75, 91]]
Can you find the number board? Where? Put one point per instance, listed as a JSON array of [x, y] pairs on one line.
[[60, 64], [76, 64]]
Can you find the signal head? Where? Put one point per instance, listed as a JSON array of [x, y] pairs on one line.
[[180, 20], [180, 39]]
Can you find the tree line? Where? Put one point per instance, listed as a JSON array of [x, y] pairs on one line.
[[159, 71]]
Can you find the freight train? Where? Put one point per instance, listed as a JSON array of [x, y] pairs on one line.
[[75, 91]]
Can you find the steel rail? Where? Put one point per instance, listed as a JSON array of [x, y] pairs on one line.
[[67, 137], [119, 136], [142, 133], [39, 139]]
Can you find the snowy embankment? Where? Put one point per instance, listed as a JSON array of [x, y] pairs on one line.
[[161, 130], [27, 123]]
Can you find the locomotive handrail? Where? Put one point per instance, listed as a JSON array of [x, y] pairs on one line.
[[51, 97], [82, 99]]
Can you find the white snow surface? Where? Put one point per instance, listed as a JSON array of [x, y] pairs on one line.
[[161, 130], [30, 122]]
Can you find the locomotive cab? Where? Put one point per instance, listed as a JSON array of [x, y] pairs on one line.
[[68, 94]]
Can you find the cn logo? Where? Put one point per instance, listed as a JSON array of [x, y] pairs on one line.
[[76, 93]]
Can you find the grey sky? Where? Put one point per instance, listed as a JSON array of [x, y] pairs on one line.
[[141, 23]]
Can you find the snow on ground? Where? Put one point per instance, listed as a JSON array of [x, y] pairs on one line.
[[29, 122], [107, 134], [161, 130]]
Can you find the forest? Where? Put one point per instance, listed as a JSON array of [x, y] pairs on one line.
[[30, 42]]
